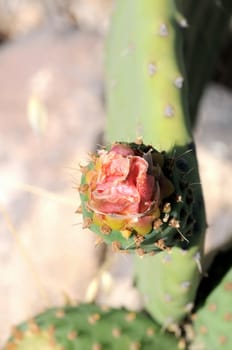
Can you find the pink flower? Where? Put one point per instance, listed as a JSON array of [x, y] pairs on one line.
[[120, 183]]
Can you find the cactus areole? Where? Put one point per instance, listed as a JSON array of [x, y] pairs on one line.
[[131, 198]]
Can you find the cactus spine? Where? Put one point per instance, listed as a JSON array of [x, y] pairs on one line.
[[146, 96]]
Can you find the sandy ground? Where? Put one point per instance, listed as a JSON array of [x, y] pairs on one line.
[[51, 116]]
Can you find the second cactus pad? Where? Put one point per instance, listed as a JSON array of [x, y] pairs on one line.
[[213, 321], [137, 198], [90, 327]]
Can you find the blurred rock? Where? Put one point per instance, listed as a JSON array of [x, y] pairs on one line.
[[49, 258], [213, 136], [19, 17]]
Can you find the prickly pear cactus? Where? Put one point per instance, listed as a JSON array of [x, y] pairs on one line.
[[213, 321], [89, 327], [169, 290], [137, 198], [147, 97]]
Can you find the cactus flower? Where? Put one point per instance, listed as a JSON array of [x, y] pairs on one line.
[[125, 192], [121, 183]]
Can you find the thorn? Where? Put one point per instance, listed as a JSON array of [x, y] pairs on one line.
[[212, 307], [160, 244], [87, 222], [157, 224], [228, 287], [140, 252], [139, 140], [181, 234], [223, 339], [94, 318], [168, 298], [182, 21], [138, 240], [182, 344], [188, 307], [105, 229], [60, 314], [72, 335], [83, 188], [83, 168], [166, 217], [116, 332], [228, 317], [135, 346], [150, 332], [34, 328], [17, 334], [169, 111], [185, 285], [203, 330], [116, 246], [167, 208], [163, 30], [167, 258], [167, 323], [179, 198], [152, 253], [78, 210], [131, 316], [152, 69], [197, 258], [178, 82], [98, 241]]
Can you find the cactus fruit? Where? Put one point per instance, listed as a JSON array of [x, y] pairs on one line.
[[213, 320], [90, 327], [137, 199]]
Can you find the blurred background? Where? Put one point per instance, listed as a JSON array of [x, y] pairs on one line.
[[51, 115]]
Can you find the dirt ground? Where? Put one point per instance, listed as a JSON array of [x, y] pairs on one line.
[[51, 116]]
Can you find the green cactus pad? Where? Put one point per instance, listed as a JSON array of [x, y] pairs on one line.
[[213, 321], [147, 96], [90, 327], [145, 78], [168, 223], [169, 288]]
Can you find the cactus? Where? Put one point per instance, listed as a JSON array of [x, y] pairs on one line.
[[152, 152], [212, 321], [169, 291], [145, 82], [89, 327], [147, 96]]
